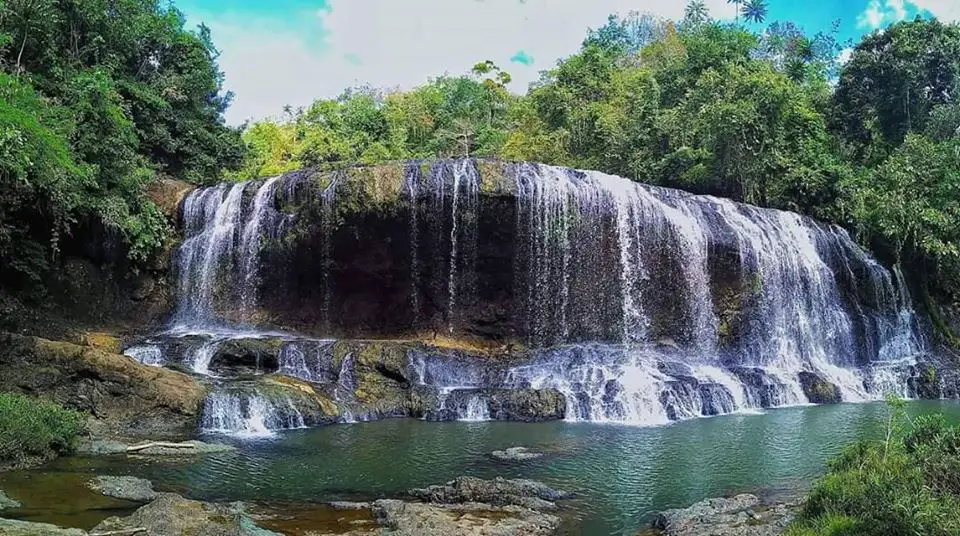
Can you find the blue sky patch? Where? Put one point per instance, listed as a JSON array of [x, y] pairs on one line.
[[522, 58]]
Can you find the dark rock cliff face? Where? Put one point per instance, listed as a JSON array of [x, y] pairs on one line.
[[503, 252]]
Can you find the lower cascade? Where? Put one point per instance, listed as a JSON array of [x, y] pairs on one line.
[[248, 415], [477, 290]]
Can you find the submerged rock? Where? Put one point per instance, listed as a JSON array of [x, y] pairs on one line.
[[516, 454], [99, 447], [818, 390], [12, 527], [348, 505], [124, 487], [7, 503], [401, 518], [495, 492], [172, 515], [742, 515]]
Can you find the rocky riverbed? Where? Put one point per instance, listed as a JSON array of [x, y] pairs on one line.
[[465, 506], [741, 515]]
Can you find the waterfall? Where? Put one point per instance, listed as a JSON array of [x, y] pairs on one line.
[[203, 355], [147, 354], [220, 255], [462, 236], [476, 410], [250, 246], [248, 415], [640, 304]]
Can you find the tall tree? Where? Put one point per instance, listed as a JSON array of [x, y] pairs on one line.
[[736, 7], [893, 81], [696, 12], [755, 11]]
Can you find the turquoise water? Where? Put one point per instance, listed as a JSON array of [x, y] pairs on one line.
[[622, 475]]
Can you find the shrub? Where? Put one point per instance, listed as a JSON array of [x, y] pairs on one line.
[[908, 483], [32, 429]]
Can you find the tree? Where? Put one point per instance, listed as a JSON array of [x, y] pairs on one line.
[[754, 10], [101, 95], [696, 12], [736, 8], [28, 19], [893, 81]]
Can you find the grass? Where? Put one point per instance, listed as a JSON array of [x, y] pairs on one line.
[[907, 483], [32, 429]]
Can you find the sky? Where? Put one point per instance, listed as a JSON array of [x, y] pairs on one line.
[[280, 52]]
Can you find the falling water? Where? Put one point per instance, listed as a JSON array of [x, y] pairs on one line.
[[248, 415], [465, 178], [203, 355], [642, 304], [250, 245], [147, 354]]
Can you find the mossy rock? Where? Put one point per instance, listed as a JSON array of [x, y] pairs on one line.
[[103, 341], [494, 178], [818, 390]]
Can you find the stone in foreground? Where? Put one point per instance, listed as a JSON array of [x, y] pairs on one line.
[[7, 503], [172, 515], [124, 487], [399, 518], [497, 492], [12, 527], [742, 515]]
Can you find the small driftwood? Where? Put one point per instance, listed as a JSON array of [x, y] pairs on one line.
[[124, 532], [138, 448]]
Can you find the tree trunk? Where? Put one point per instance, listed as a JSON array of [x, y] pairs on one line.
[[22, 46]]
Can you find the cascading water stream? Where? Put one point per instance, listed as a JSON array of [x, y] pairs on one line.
[[645, 305]]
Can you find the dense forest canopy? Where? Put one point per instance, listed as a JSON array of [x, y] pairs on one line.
[[101, 97], [97, 98], [771, 119]]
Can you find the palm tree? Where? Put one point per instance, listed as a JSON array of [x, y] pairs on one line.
[[736, 5], [755, 10], [696, 12]]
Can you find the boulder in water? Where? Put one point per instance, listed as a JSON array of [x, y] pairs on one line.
[[742, 515], [124, 487], [399, 518], [818, 389], [7, 503], [13, 527], [516, 454], [172, 515], [497, 492]]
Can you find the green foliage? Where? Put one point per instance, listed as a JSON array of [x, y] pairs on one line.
[[31, 428], [40, 183], [96, 97], [893, 81], [708, 107], [906, 484]]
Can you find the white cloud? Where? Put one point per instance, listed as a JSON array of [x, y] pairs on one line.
[[387, 43], [881, 13], [844, 56], [947, 10]]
